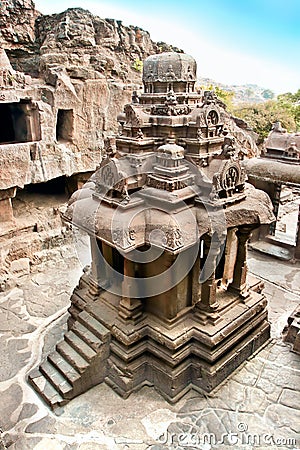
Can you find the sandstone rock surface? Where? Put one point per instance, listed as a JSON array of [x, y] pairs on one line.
[[71, 74]]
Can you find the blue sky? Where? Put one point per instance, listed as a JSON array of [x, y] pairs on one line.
[[234, 42]]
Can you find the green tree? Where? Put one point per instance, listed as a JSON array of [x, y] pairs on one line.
[[261, 116], [225, 96], [137, 65], [291, 102]]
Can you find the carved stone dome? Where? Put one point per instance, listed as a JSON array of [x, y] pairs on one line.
[[168, 67]]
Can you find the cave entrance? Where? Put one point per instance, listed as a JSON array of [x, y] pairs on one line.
[[64, 125], [38, 198], [19, 122], [55, 187]]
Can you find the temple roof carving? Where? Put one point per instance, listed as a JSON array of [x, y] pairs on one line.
[[170, 66], [173, 157], [282, 145]]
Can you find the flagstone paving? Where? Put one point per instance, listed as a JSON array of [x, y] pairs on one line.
[[257, 407]]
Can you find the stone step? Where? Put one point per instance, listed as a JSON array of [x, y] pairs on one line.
[[87, 336], [93, 325], [76, 360], [43, 387], [64, 367], [80, 346], [55, 378], [78, 303]]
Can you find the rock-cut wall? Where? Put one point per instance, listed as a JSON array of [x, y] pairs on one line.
[[63, 80]]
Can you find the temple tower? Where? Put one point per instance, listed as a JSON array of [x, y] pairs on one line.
[[167, 301]]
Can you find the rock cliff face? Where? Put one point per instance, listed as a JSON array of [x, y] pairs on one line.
[[80, 71], [64, 78], [89, 47], [73, 39], [17, 23], [17, 33]]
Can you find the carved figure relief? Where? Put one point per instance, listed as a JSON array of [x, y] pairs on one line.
[[292, 151], [170, 110], [174, 238], [209, 97], [189, 75], [108, 176], [231, 177], [199, 134], [135, 97], [112, 181], [123, 237], [170, 74], [212, 118], [150, 76], [140, 134], [228, 147], [171, 98]]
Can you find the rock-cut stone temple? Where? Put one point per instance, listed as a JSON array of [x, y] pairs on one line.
[[167, 301]]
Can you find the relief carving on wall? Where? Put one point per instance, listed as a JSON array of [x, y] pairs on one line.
[[123, 237], [174, 238], [230, 179], [212, 116]]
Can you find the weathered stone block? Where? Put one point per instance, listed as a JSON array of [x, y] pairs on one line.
[[6, 210], [20, 267]]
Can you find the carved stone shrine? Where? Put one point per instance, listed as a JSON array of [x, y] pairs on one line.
[[278, 167], [167, 301]]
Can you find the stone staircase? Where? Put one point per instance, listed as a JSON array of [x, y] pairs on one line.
[[78, 362]]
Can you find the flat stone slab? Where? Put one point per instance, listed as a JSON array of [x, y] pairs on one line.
[[272, 250]]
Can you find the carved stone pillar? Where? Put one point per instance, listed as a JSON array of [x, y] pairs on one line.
[[276, 202], [230, 256], [98, 277], [206, 308], [130, 308], [196, 286], [239, 282], [212, 250]]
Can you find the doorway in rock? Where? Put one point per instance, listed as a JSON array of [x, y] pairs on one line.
[[19, 122], [64, 125]]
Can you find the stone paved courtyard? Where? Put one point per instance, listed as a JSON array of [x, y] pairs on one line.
[[257, 407]]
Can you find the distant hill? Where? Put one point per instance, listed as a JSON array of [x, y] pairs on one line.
[[247, 93]]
